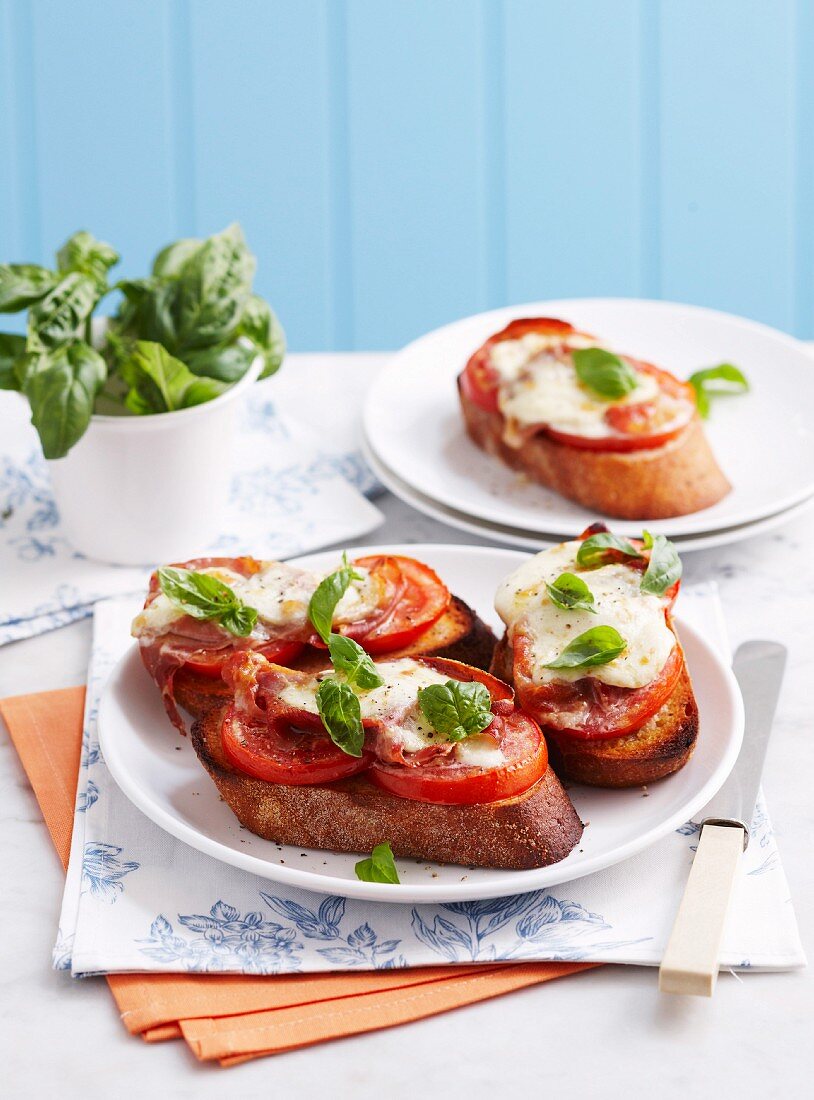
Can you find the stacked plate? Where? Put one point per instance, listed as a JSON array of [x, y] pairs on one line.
[[416, 443]]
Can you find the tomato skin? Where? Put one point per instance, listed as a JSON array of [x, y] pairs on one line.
[[211, 663], [479, 383], [458, 785], [278, 755], [416, 598]]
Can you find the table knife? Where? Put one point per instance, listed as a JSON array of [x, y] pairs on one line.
[[690, 962]]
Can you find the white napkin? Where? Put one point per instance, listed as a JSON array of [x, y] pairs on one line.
[[136, 899], [295, 489]]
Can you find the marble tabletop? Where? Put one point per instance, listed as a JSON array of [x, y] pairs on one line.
[[606, 1032]]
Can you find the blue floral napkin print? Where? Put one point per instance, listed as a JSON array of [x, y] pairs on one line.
[[136, 899]]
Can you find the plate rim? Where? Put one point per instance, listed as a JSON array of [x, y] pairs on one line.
[[515, 882], [520, 537], [391, 367]]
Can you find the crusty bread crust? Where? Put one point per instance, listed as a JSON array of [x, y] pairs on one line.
[[662, 746], [675, 479], [459, 634], [533, 830]]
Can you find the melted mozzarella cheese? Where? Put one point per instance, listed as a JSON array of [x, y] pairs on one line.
[[280, 594], [523, 603], [395, 704], [547, 391], [508, 357]]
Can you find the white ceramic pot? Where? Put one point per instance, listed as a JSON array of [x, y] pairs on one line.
[[138, 490]]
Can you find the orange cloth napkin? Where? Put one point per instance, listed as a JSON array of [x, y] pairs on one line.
[[229, 1019]]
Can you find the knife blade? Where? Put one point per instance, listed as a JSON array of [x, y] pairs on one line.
[[758, 668], [690, 961]]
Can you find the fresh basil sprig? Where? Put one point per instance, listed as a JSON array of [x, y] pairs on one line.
[[61, 388], [569, 592], [726, 378], [160, 383], [597, 646], [329, 592], [205, 597], [357, 666], [593, 551], [456, 709], [379, 866], [341, 715], [664, 567], [604, 373]]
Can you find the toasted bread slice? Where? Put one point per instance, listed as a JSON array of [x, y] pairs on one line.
[[459, 634], [533, 830], [660, 747], [675, 479]]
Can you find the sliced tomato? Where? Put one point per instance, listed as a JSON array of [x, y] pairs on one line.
[[479, 380], [415, 598], [587, 709], [517, 736], [279, 752]]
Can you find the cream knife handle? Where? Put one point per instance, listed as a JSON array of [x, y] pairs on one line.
[[690, 962]]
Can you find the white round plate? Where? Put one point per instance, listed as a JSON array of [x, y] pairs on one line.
[[141, 750], [531, 540], [763, 440]]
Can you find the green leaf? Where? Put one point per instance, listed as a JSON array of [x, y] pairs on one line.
[[456, 709], [569, 592], [726, 378], [664, 567], [201, 390], [11, 348], [604, 373], [349, 658], [158, 382], [213, 288], [328, 594], [23, 284], [170, 260], [146, 313], [597, 646], [225, 362], [341, 716], [599, 549], [379, 866], [205, 597], [60, 316], [61, 389], [83, 253], [259, 323]]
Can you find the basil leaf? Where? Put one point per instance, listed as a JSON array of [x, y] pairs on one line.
[[60, 316], [11, 348], [225, 362], [259, 323], [647, 540], [595, 550], [146, 312], [570, 592], [604, 373], [170, 260], [329, 592], [379, 866], [83, 253], [23, 284], [341, 716], [158, 382], [663, 569], [349, 658], [61, 390], [213, 288], [597, 646], [726, 378], [201, 390], [456, 709], [205, 597]]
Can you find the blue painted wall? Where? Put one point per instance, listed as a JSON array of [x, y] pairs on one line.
[[400, 163]]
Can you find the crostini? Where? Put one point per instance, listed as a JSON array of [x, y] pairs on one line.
[[615, 434], [591, 652], [428, 754], [200, 613]]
